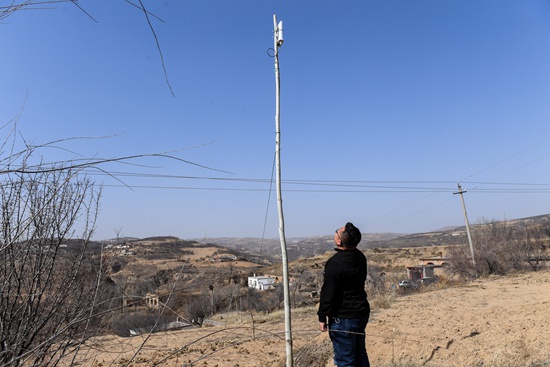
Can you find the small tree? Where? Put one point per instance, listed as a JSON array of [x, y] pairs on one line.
[[197, 308]]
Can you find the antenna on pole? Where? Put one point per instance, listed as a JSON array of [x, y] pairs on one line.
[[460, 192], [278, 42]]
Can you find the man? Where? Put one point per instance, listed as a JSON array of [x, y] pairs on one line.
[[344, 309]]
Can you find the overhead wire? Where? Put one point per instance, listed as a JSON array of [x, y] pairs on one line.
[[267, 206], [375, 186], [511, 157], [476, 189], [429, 187], [388, 189]]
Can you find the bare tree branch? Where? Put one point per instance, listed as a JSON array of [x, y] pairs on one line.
[[158, 47], [15, 6]]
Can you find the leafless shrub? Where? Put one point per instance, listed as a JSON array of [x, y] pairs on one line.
[[381, 301], [197, 308], [47, 294], [251, 300], [304, 281], [264, 301], [136, 323], [381, 290], [376, 279], [535, 245], [499, 248], [271, 300], [229, 297]]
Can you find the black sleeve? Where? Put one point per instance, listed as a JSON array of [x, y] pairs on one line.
[[328, 292]]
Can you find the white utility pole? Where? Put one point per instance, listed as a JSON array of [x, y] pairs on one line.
[[460, 192], [278, 42]]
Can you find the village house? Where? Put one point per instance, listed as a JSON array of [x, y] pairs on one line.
[[262, 283], [224, 258]]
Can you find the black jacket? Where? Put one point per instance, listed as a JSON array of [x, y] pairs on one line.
[[343, 293]]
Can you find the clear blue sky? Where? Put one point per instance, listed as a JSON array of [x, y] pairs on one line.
[[385, 106]]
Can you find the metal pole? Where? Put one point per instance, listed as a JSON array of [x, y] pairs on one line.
[[467, 223], [277, 42]]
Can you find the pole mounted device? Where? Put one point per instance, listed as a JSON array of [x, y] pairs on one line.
[[278, 41]]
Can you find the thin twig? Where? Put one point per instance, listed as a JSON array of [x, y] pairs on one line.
[[146, 13]]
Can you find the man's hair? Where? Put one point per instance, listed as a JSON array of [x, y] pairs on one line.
[[351, 235]]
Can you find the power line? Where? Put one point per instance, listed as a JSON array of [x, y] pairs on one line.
[[387, 189], [312, 186], [310, 182]]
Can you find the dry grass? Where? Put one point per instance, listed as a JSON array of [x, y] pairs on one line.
[[382, 301]]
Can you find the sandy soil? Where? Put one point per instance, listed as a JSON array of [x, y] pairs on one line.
[[494, 322]]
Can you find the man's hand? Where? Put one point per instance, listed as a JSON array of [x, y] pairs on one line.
[[323, 326]]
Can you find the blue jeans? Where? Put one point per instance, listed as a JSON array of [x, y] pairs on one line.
[[348, 342]]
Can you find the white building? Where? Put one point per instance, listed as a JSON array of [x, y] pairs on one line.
[[261, 283]]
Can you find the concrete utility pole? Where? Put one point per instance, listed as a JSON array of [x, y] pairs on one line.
[[278, 42], [460, 192]]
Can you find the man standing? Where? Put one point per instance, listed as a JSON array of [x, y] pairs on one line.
[[344, 309]]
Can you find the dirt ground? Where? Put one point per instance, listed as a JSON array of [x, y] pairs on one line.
[[491, 322]]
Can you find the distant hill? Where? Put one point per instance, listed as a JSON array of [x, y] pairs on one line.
[[312, 246], [297, 247], [454, 235], [262, 251]]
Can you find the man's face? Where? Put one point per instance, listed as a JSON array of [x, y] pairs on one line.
[[338, 236]]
